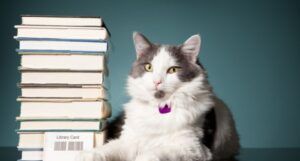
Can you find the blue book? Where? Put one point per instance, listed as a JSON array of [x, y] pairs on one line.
[[62, 45], [62, 32]]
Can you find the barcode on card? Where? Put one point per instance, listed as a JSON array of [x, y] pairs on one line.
[[68, 146], [75, 146], [60, 146]]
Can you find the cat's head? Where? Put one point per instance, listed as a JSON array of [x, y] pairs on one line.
[[160, 70]]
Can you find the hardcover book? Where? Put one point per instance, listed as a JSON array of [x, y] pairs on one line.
[[61, 32], [63, 62], [63, 91], [62, 45], [61, 77], [60, 124], [33, 154], [64, 108], [61, 20]]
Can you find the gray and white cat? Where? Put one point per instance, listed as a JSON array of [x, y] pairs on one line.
[[173, 114]]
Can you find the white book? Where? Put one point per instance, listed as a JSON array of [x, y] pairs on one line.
[[61, 21], [30, 140], [60, 124], [61, 32], [32, 155], [63, 61], [35, 140], [63, 91], [68, 109], [65, 45], [61, 77]]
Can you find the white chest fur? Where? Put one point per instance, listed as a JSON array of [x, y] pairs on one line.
[[144, 119]]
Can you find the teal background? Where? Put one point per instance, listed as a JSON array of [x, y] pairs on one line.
[[251, 50]]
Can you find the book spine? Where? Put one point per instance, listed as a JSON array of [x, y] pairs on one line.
[[58, 39], [59, 51]]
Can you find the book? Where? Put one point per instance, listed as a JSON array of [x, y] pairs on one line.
[[62, 45], [33, 154], [63, 91], [63, 61], [30, 140], [61, 32], [61, 20], [60, 124], [64, 109], [33, 52], [61, 77], [35, 140]]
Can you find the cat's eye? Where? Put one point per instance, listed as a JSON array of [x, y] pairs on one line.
[[148, 67], [173, 70]]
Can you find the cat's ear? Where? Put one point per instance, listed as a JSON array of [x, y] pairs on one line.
[[191, 47], [141, 43]]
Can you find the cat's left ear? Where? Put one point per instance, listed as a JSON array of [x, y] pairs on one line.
[[191, 47]]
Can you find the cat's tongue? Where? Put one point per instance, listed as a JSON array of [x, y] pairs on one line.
[[164, 109]]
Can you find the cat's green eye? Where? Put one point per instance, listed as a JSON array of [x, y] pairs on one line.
[[148, 67], [173, 70]]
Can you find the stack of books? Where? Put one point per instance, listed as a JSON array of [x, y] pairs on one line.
[[63, 99]]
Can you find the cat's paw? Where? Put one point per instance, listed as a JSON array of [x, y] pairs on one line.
[[146, 158], [89, 156]]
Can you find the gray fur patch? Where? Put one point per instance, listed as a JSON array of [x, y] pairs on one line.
[[138, 69], [189, 69]]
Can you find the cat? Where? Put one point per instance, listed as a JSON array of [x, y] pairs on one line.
[[173, 114]]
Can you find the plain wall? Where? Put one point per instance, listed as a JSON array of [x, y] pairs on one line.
[[250, 49]]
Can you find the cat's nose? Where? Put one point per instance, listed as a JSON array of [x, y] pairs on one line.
[[157, 82]]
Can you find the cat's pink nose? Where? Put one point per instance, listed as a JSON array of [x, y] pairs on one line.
[[157, 82]]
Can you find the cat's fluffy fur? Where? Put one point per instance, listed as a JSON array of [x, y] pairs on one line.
[[180, 135]]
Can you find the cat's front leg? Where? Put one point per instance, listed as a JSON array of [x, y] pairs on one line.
[[177, 152], [114, 150], [93, 155], [147, 157]]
